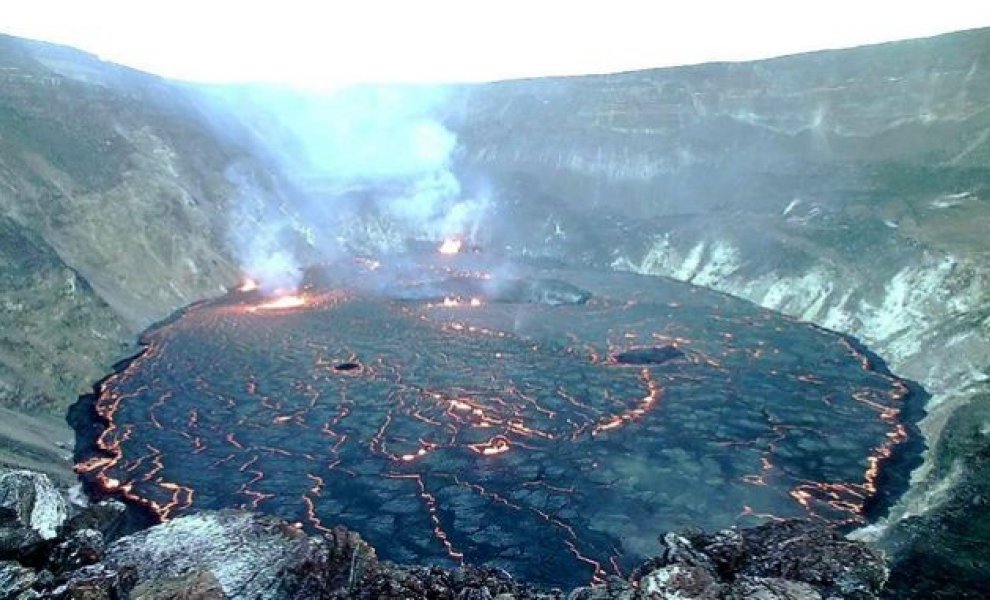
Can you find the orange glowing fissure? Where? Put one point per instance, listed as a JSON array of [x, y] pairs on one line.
[[287, 300], [283, 299], [283, 303]]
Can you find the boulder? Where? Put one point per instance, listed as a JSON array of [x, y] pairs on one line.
[[24, 545], [813, 553], [81, 548], [794, 559], [681, 582], [197, 585], [772, 588], [15, 580], [29, 499], [251, 556], [96, 582], [109, 517]]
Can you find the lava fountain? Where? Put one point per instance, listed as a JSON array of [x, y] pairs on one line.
[[553, 435]]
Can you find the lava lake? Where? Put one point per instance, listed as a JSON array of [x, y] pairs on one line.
[[550, 422]]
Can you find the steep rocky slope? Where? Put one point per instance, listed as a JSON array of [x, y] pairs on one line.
[[112, 201]]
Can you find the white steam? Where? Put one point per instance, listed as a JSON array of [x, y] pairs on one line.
[[368, 168], [263, 234]]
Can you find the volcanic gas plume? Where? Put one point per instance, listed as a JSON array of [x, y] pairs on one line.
[[551, 422], [368, 168]]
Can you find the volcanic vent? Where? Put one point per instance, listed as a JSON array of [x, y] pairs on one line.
[[548, 422]]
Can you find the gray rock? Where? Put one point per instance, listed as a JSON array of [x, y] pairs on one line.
[[680, 582], [28, 499], [109, 517], [615, 589], [251, 556], [81, 548], [15, 579], [96, 582], [198, 585], [22, 544], [780, 559], [809, 552], [761, 588]]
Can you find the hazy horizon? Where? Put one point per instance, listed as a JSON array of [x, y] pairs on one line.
[[439, 41]]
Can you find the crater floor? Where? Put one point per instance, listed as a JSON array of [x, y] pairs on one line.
[[549, 422]]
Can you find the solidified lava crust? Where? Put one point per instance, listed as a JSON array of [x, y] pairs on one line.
[[551, 439]]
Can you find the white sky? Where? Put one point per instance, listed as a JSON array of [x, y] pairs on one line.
[[334, 42]]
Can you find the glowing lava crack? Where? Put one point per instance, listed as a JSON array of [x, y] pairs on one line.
[[554, 440]]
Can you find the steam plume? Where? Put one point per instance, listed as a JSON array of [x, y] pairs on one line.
[[366, 168]]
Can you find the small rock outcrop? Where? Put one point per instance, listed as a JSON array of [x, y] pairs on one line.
[[30, 500], [249, 555], [785, 560]]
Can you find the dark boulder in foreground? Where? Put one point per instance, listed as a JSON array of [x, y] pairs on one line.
[[29, 500], [237, 554], [781, 559]]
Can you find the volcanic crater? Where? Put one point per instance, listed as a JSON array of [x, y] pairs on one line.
[[547, 421]]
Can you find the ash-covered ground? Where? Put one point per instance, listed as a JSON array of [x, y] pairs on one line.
[[548, 421]]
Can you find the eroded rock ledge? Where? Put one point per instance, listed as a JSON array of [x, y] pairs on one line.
[[49, 549]]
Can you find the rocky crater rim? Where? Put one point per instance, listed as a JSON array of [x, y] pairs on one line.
[[238, 554]]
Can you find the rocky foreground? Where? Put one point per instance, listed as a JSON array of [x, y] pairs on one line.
[[50, 548]]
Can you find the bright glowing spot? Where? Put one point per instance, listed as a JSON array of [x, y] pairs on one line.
[[412, 457], [282, 303], [371, 265], [248, 285], [452, 301], [496, 445], [612, 424], [450, 246]]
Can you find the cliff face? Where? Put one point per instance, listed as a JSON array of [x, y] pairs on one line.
[[118, 173], [846, 188], [112, 201]]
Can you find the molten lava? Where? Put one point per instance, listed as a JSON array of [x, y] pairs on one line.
[[451, 246], [248, 285], [453, 302], [497, 445], [283, 303], [472, 433]]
